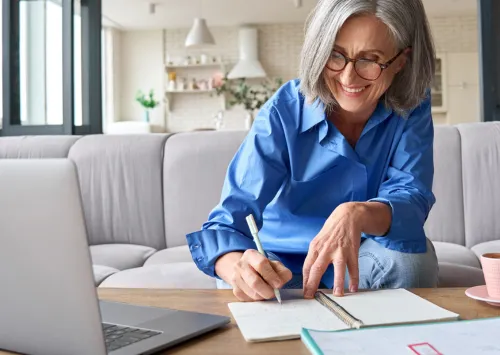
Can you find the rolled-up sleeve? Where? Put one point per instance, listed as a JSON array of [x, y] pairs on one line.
[[407, 188], [254, 176]]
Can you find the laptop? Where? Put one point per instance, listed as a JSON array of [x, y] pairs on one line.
[[48, 299]]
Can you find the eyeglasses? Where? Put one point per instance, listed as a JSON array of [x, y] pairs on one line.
[[365, 68]]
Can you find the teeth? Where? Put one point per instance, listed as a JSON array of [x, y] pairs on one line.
[[351, 90]]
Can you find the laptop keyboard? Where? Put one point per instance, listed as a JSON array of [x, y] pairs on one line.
[[118, 336]]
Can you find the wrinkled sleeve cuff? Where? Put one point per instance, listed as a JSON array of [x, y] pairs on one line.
[[207, 245], [406, 224], [394, 219]]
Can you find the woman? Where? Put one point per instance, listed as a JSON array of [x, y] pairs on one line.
[[337, 169]]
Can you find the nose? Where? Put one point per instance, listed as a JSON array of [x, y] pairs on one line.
[[348, 75]]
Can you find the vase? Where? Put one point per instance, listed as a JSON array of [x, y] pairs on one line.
[[248, 120], [219, 120], [146, 116]]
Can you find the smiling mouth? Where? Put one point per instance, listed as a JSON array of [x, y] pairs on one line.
[[353, 90]]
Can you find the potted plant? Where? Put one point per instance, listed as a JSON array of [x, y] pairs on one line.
[[148, 102], [250, 97]]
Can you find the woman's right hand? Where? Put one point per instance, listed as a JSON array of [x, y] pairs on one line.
[[252, 275]]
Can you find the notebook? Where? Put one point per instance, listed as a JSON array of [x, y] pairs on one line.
[[269, 321], [465, 337]]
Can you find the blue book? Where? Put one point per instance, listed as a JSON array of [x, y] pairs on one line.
[[479, 337]]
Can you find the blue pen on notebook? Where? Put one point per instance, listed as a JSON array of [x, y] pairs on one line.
[[255, 235]]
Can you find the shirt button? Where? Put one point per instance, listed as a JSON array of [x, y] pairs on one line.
[[196, 246], [199, 259]]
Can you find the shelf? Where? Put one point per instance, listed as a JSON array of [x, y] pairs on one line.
[[200, 71], [189, 91], [208, 65], [438, 109]]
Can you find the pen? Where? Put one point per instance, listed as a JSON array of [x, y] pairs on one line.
[[255, 235]]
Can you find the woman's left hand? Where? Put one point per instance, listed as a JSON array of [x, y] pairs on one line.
[[338, 243]]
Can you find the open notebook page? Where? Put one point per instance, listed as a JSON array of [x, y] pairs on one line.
[[395, 306], [269, 320]]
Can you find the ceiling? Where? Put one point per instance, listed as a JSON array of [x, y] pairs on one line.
[[135, 14]]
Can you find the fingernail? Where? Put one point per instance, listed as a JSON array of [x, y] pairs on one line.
[[276, 284], [353, 288], [338, 291]]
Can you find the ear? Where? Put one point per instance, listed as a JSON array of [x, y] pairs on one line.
[[402, 60]]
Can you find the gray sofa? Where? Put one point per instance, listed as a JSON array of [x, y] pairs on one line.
[[143, 193]]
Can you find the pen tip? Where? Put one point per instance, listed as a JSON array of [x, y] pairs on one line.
[[277, 294]]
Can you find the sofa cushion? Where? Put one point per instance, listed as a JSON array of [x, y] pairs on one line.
[[487, 247], [170, 255], [121, 182], [456, 254], [120, 256], [101, 272], [31, 147], [194, 168], [174, 275], [453, 275], [446, 219], [481, 169]]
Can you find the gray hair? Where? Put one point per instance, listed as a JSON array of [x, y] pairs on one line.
[[407, 22]]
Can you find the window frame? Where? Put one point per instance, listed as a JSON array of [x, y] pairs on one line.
[[91, 71]]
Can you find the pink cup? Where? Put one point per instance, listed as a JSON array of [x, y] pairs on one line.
[[491, 269]]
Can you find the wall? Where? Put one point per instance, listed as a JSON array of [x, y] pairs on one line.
[[456, 38], [279, 49], [141, 69]]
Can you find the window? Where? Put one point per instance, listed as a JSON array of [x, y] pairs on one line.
[[53, 66], [77, 50], [41, 64], [1, 66], [40, 41], [45, 92]]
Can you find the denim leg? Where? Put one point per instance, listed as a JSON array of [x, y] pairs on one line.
[[380, 267]]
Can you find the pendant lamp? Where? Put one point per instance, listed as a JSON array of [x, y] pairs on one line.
[[199, 35]]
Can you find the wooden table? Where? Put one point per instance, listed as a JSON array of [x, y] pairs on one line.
[[228, 340]]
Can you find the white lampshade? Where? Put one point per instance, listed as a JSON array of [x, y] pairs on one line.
[[199, 34], [248, 65]]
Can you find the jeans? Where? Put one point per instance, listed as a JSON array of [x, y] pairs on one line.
[[380, 267]]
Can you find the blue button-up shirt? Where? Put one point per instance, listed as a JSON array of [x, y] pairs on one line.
[[294, 168]]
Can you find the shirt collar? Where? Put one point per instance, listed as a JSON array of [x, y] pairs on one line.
[[314, 113], [382, 111]]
